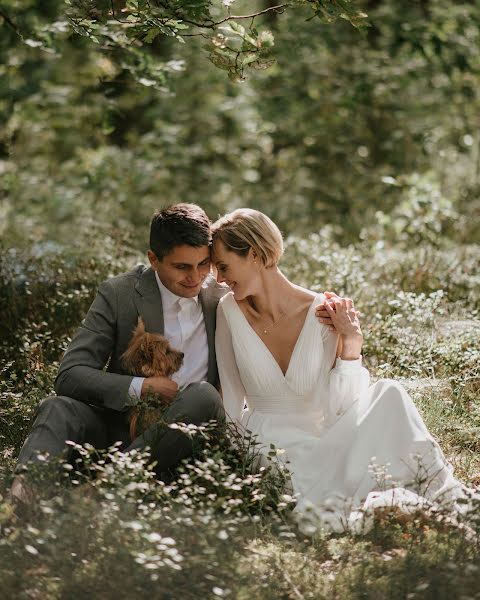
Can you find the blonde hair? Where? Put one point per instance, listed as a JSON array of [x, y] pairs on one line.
[[247, 228]]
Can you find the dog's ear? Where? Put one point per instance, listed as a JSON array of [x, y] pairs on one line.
[[147, 344], [150, 343], [132, 358], [140, 328], [153, 355]]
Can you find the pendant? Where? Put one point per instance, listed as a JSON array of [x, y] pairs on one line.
[[265, 331]]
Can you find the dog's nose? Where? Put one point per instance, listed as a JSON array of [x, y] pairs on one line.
[[181, 354]]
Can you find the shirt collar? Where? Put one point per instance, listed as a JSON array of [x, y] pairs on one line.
[[168, 297]]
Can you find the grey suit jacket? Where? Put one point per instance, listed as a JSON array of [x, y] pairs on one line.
[[107, 329]]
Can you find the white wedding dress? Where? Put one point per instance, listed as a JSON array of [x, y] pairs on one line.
[[333, 426]]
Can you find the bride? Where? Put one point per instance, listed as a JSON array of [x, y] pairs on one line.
[[291, 372]]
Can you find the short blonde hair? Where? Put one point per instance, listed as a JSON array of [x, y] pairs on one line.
[[247, 228]]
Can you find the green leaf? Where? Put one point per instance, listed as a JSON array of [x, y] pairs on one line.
[[237, 28], [248, 57], [263, 64], [151, 35]]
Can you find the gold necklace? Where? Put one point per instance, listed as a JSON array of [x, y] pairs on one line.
[[274, 323]]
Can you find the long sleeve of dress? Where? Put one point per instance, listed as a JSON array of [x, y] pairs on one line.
[[346, 381], [233, 392]]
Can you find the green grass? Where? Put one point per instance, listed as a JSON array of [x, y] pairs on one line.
[[223, 530]]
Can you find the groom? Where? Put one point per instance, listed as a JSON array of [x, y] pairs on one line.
[[176, 297]]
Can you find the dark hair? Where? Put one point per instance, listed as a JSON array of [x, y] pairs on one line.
[[177, 225]]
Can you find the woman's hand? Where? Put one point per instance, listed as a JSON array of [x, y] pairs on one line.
[[339, 315]]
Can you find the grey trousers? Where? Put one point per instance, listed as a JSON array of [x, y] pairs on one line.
[[60, 418]]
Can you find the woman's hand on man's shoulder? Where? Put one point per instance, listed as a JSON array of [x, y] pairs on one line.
[[340, 315]]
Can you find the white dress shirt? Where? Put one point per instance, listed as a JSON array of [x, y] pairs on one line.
[[184, 327]]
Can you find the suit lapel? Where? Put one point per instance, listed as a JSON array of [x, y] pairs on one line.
[[209, 306], [149, 302]]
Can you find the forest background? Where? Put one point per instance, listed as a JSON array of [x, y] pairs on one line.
[[356, 127]]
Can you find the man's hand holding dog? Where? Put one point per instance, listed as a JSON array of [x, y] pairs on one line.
[[160, 385]]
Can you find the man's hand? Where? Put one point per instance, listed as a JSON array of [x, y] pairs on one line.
[[160, 385]]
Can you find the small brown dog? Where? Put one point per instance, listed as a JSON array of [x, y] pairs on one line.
[[149, 355]]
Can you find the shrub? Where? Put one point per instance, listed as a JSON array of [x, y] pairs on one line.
[[221, 527]]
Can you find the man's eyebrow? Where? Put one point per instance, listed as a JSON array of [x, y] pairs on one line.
[[184, 264]]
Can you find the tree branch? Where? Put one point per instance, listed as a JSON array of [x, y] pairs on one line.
[[276, 8], [9, 22], [212, 24]]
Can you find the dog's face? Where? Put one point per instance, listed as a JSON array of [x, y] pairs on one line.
[[150, 354]]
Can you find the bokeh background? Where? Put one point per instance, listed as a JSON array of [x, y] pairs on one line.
[[347, 123], [363, 144]]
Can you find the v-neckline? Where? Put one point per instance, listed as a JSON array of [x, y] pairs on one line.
[[300, 335]]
